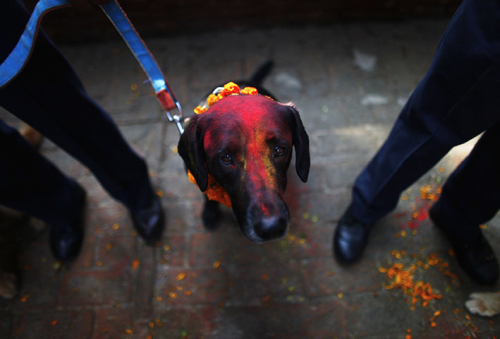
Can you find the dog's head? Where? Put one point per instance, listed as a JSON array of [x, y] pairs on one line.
[[245, 142]]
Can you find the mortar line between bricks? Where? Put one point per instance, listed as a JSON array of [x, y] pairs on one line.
[[94, 325]]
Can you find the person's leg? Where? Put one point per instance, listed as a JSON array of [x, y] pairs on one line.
[[31, 184], [49, 96], [455, 101], [470, 198], [471, 195]]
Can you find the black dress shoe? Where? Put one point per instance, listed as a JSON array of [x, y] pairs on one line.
[[66, 240], [475, 256], [149, 221], [350, 239]]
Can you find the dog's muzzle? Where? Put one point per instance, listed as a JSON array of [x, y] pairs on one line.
[[265, 226]]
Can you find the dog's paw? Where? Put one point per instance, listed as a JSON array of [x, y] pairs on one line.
[[7, 285], [211, 215], [484, 304]]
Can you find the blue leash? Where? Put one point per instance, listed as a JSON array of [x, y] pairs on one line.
[[20, 55]]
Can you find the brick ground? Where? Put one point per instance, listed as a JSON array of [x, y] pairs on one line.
[[291, 288]]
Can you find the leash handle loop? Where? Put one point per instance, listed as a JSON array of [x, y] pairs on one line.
[[20, 55]]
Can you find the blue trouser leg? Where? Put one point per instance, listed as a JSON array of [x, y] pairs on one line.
[[49, 96], [471, 195], [30, 183], [457, 100]]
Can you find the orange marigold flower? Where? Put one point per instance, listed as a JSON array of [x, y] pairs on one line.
[[200, 110], [212, 99], [214, 191], [402, 278], [191, 178], [230, 88], [249, 91]]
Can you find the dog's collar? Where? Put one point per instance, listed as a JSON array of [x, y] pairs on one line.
[[222, 92]]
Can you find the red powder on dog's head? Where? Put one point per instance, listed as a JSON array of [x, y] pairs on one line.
[[250, 122]]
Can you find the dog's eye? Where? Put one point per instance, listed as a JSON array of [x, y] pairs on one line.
[[226, 159], [279, 151]]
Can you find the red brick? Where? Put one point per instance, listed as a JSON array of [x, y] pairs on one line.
[[255, 285], [113, 322], [67, 324], [173, 251], [288, 320], [86, 258], [324, 277], [203, 285], [226, 322], [233, 247], [96, 288], [323, 319], [145, 277], [115, 253], [163, 324], [40, 281], [109, 221], [181, 216]]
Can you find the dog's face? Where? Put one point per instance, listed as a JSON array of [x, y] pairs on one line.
[[245, 142]]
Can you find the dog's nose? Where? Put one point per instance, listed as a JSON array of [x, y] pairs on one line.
[[272, 227]]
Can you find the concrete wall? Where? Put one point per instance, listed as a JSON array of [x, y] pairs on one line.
[[153, 17]]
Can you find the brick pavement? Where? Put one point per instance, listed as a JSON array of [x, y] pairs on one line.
[[201, 284]]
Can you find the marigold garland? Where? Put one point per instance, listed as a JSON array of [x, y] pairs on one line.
[[215, 191], [222, 92]]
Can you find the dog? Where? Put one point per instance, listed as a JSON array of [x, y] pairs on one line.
[[244, 142], [486, 304]]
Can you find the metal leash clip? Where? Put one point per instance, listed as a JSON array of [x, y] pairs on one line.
[[177, 118]]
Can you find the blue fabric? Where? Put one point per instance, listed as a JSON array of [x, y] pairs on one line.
[[48, 95], [458, 99], [21, 53]]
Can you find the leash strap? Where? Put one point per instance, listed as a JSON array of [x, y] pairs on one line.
[[18, 58], [20, 55], [138, 48]]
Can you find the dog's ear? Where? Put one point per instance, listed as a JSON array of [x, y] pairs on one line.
[[192, 151], [300, 141]]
